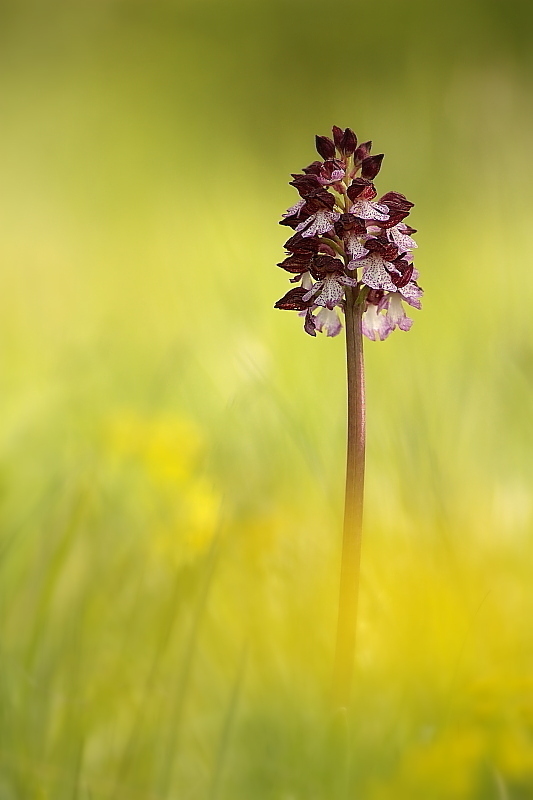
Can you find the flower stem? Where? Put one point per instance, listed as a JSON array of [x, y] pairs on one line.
[[353, 504]]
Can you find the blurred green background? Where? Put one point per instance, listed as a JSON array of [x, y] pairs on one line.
[[172, 448]]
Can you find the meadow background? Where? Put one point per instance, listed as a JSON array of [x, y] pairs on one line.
[[172, 448]]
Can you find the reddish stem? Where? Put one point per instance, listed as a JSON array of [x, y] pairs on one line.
[[353, 507]]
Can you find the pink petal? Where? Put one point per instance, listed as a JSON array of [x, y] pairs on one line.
[[328, 322]]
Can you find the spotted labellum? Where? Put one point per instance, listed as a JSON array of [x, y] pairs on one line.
[[347, 236]]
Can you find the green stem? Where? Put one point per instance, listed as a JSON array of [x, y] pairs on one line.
[[353, 507]]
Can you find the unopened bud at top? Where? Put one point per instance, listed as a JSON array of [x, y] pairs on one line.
[[325, 147]]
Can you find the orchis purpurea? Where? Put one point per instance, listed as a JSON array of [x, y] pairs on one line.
[[350, 253], [367, 241]]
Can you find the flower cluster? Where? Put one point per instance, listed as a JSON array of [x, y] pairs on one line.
[[344, 237]]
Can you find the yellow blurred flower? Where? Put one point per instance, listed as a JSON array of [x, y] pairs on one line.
[[181, 503], [445, 768], [167, 446]]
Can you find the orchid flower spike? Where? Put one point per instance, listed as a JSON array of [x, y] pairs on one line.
[[345, 237]]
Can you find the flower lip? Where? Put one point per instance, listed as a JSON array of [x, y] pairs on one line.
[[398, 234], [328, 322], [412, 294], [295, 210], [376, 272], [321, 222], [375, 326], [396, 316], [329, 291]]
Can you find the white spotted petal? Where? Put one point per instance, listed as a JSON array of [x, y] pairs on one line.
[[355, 250], [401, 239], [319, 223], [366, 209], [329, 291], [375, 274], [412, 293], [295, 209]]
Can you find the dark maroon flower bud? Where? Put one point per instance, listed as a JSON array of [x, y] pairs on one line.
[[302, 244], [323, 264], [362, 152], [325, 147], [326, 249], [357, 187], [348, 223], [297, 263], [338, 134], [345, 141], [399, 208], [318, 202], [349, 142], [371, 166], [314, 168], [293, 300], [294, 219], [396, 200], [307, 185], [394, 218]]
